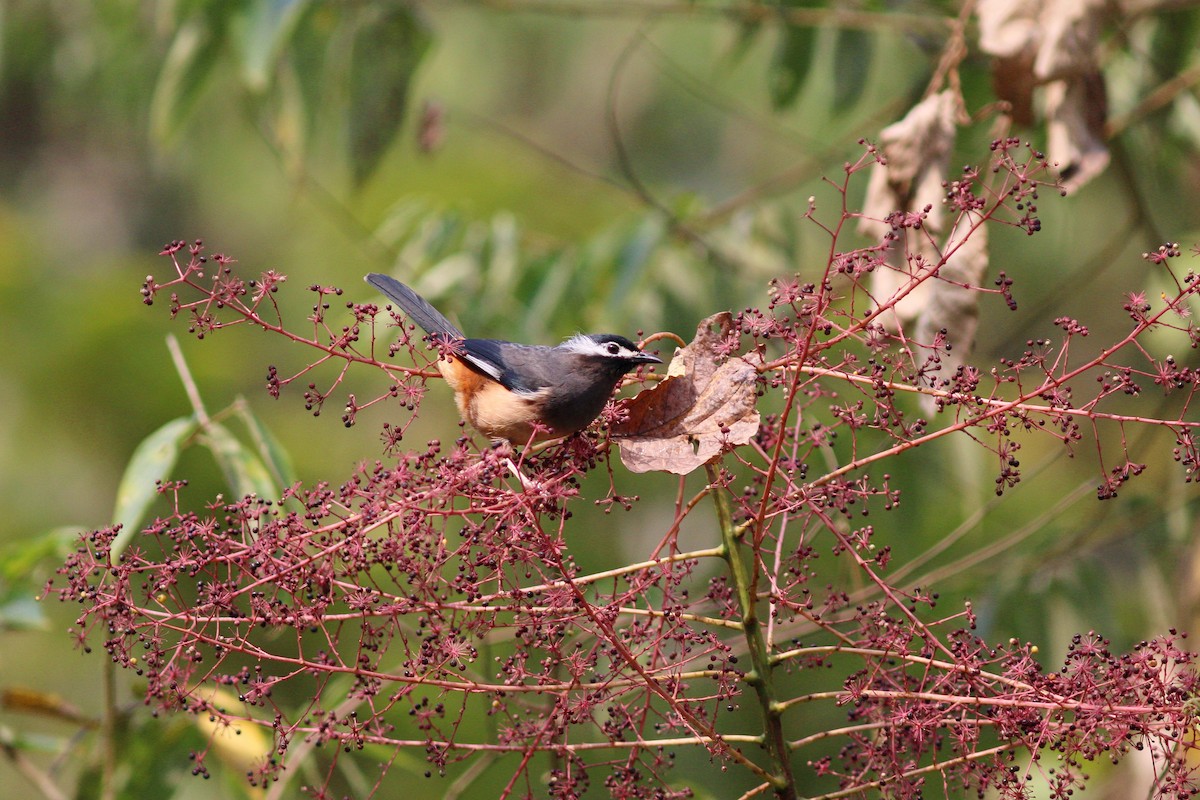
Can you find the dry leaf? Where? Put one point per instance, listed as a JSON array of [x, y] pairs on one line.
[[704, 407], [1012, 80], [1075, 112], [1069, 32], [954, 304], [1008, 30], [917, 151], [1052, 44], [1008, 27]]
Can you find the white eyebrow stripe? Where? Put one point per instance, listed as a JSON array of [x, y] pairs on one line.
[[582, 344], [585, 345]]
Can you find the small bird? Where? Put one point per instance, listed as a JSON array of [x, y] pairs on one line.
[[504, 389]]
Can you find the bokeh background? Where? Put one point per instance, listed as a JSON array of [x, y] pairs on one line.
[[514, 160]]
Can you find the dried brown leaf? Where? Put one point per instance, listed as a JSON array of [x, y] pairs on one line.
[[954, 304], [1069, 34], [1013, 81], [1075, 112], [917, 149], [1008, 27], [1053, 44], [704, 407], [917, 152]]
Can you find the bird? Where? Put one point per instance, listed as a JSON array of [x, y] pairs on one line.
[[519, 392]]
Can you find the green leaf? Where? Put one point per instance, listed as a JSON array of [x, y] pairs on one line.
[[633, 257], [748, 31], [244, 472], [22, 613], [24, 566], [275, 457], [389, 44], [1174, 42], [154, 754], [501, 254], [307, 59], [294, 37], [290, 128], [194, 52], [41, 743], [263, 30], [852, 52], [790, 64], [152, 461], [548, 297], [20, 559], [90, 782]]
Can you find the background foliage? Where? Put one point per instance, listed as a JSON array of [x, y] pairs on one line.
[[529, 165]]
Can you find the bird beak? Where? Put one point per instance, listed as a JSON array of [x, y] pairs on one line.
[[647, 358]]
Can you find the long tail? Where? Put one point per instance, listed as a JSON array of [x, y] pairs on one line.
[[416, 307]]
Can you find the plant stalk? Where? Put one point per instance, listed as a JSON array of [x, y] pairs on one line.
[[760, 677]]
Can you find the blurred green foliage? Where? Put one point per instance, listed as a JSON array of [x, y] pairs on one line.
[[559, 152]]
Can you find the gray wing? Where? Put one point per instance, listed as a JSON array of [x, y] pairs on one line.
[[519, 368]]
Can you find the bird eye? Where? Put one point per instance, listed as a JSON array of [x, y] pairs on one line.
[[613, 348]]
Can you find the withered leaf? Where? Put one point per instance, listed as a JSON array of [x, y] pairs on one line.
[[1074, 128], [1008, 27], [704, 407], [1013, 81], [1053, 44], [917, 151], [954, 304]]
